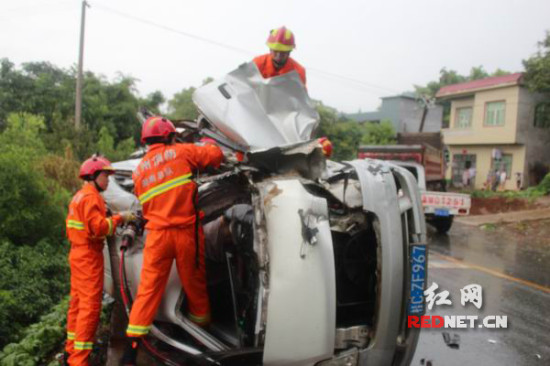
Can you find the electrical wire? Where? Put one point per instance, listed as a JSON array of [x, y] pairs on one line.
[[359, 84]]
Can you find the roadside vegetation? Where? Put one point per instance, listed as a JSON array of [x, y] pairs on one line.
[[540, 190], [39, 159]]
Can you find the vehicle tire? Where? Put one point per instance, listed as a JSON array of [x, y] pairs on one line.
[[442, 224]]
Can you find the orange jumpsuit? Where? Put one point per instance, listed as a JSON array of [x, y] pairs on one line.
[[163, 184], [268, 70], [87, 226]]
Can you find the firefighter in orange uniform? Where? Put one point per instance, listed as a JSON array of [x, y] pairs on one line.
[[168, 195], [87, 227], [278, 60]]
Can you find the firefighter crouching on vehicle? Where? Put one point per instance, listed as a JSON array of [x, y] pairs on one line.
[[278, 60], [87, 227], [168, 195]]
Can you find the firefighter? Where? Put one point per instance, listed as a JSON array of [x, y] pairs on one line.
[[168, 195], [278, 60], [87, 227]]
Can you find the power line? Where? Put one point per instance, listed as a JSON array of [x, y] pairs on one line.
[[358, 83], [170, 29]]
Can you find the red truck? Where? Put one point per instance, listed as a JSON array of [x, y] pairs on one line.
[[427, 164]]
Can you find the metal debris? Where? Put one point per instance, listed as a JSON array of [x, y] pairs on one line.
[[451, 341]]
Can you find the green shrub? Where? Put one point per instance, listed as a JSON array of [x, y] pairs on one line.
[[32, 279], [39, 340]]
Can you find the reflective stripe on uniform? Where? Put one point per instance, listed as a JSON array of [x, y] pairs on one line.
[[199, 319], [83, 345], [110, 222], [165, 187], [73, 224], [138, 329], [70, 336]]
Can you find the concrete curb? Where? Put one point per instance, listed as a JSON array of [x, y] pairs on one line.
[[515, 216]]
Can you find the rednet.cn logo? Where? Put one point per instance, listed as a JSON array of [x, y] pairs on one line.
[[469, 294]]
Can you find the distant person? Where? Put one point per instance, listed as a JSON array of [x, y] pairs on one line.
[[518, 180], [465, 178], [502, 179], [278, 61], [495, 180], [466, 175], [472, 175]]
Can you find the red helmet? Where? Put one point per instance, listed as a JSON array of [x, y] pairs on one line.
[[93, 165], [156, 127], [281, 39]]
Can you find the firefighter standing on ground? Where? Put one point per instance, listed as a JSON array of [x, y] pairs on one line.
[[163, 183], [87, 227]]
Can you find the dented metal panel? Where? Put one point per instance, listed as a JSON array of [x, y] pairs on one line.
[[301, 313], [256, 112]]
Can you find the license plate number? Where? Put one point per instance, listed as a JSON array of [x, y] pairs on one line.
[[441, 212], [418, 279]]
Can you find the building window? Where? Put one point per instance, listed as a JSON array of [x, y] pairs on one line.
[[504, 162], [463, 117], [494, 113], [542, 115]]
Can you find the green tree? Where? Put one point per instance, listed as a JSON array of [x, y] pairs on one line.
[[344, 135], [153, 101], [378, 133], [537, 68], [181, 105], [33, 279], [33, 265], [106, 142], [32, 207], [38, 88], [43, 89]]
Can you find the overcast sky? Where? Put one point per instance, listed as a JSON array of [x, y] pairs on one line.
[[354, 51]]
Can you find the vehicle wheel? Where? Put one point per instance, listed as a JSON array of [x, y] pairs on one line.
[[442, 224]]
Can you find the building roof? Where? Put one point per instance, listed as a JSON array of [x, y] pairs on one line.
[[407, 94], [487, 83]]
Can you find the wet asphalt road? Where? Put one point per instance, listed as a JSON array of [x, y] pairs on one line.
[[515, 277]]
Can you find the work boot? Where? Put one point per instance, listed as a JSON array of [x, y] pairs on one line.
[[129, 358]]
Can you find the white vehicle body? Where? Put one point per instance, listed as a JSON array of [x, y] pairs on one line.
[[322, 275]]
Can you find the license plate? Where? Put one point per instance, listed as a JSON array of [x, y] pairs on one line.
[[441, 212], [418, 279]]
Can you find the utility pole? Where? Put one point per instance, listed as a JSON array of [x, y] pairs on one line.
[[424, 112], [78, 104]]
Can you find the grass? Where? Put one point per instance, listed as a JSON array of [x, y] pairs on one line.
[[530, 193]]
